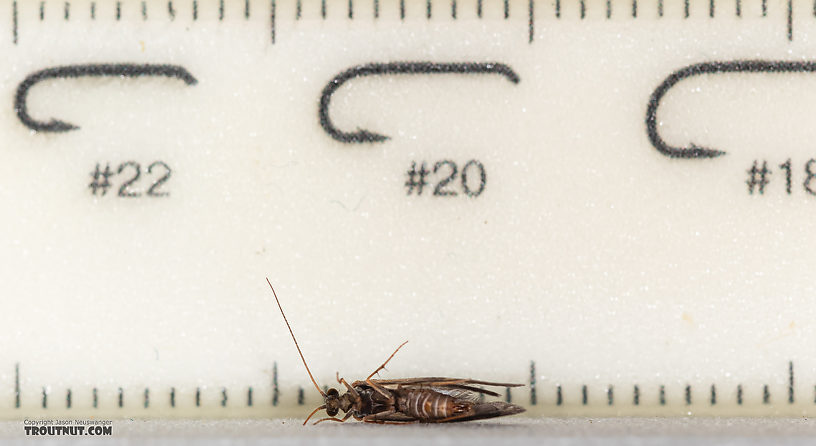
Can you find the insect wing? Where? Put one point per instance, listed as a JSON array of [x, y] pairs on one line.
[[459, 394], [441, 381], [440, 384]]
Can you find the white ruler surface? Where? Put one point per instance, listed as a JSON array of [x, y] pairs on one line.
[[613, 202]]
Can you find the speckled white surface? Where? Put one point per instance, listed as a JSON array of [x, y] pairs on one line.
[[562, 431], [605, 263]]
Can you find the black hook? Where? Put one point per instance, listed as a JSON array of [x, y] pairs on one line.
[[94, 70], [739, 66], [377, 69]]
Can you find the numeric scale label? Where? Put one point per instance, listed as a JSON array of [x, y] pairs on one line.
[[610, 201]]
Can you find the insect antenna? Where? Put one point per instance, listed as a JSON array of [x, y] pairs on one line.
[[296, 345]]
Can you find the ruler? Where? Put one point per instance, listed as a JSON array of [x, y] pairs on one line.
[[610, 201]]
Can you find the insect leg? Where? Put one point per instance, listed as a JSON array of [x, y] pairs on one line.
[[389, 417], [377, 387], [386, 361], [333, 419], [350, 389]]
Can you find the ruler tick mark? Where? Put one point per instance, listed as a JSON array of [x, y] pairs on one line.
[[686, 9], [531, 19], [583, 9], [764, 8], [634, 9], [16, 380], [428, 9], [453, 9], [507, 396], [660, 8], [402, 9], [172, 397], [14, 22], [93, 10], [95, 396], [610, 396], [42, 11], [198, 397], [220, 10], [584, 395], [195, 10], [146, 397], [688, 395], [559, 398], [479, 8], [118, 11], [608, 9], [67, 11], [376, 9], [351, 9], [275, 391], [68, 399], [506, 9], [790, 20], [766, 395], [272, 8], [791, 398], [713, 395], [44, 398], [249, 397], [636, 395], [557, 9], [711, 8], [121, 397], [533, 400], [300, 396], [739, 394], [738, 7], [246, 9], [323, 9]]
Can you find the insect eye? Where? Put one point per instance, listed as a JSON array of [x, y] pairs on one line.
[[332, 392]]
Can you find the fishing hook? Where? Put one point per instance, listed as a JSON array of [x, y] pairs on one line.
[[379, 69], [738, 66], [92, 70]]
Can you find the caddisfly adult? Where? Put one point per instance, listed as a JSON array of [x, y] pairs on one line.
[[408, 400]]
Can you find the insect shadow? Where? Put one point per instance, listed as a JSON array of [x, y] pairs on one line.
[[408, 400]]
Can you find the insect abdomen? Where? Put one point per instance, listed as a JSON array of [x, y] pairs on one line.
[[428, 404]]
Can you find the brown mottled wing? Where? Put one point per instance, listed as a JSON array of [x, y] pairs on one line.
[[425, 380], [438, 383]]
